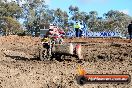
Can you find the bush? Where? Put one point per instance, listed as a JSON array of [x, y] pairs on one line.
[[22, 33]]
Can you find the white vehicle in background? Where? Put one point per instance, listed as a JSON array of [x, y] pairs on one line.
[[44, 28]]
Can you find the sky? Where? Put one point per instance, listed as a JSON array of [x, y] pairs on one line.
[[101, 6]]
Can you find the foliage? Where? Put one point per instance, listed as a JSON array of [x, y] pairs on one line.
[[9, 25], [36, 13], [10, 9], [116, 20]]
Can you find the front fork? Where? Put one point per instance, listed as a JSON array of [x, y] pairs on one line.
[[50, 48]]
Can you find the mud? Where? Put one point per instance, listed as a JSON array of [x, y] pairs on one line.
[[100, 56]]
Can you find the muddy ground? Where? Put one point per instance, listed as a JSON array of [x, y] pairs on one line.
[[100, 56]]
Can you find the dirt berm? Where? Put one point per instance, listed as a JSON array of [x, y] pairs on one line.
[[21, 68]]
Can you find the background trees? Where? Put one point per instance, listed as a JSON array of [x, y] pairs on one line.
[[10, 9], [10, 12], [116, 21], [36, 12], [9, 25]]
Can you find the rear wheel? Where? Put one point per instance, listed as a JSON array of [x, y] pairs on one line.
[[44, 54]]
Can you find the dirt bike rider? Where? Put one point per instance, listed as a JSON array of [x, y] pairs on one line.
[[55, 33], [45, 39]]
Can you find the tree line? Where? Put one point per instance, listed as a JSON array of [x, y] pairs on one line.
[[36, 12]]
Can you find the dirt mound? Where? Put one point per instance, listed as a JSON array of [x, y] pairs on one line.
[[25, 44], [101, 56]]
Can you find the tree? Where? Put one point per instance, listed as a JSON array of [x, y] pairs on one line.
[[9, 25], [58, 16], [65, 19], [48, 16], [117, 21], [10, 9], [34, 12], [93, 21], [74, 10], [10, 12]]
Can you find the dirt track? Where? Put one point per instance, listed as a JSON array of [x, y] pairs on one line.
[[104, 56]]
